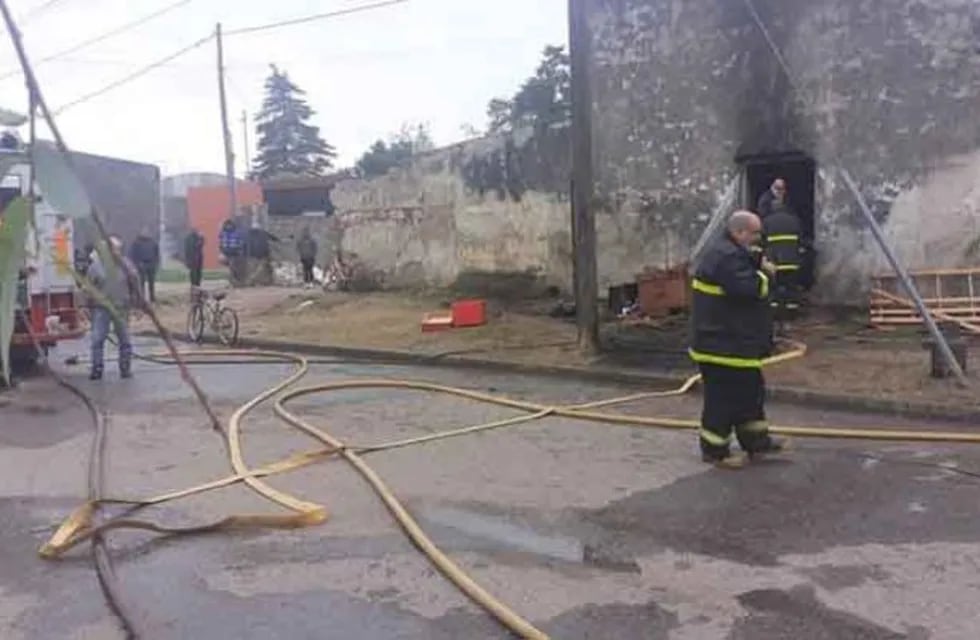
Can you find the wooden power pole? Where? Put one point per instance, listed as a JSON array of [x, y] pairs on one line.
[[225, 130], [248, 159], [583, 216]]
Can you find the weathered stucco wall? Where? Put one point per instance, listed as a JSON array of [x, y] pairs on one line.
[[892, 89], [494, 205]]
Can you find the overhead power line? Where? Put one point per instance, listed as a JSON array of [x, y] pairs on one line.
[[134, 75], [312, 18], [101, 37], [180, 52], [38, 10]]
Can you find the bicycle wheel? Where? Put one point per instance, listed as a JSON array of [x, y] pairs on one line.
[[227, 326], [196, 323]]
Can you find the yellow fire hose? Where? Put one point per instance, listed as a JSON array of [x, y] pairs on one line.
[[80, 524]]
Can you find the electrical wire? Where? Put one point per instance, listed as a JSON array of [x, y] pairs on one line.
[[38, 10], [101, 37], [312, 18], [134, 75]]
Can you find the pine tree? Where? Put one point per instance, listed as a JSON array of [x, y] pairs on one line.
[[287, 144]]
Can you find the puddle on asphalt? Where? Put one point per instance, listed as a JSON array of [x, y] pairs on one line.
[[507, 534], [511, 536]]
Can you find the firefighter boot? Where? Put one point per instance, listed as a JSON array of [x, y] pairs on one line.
[[95, 374], [770, 447], [729, 461]]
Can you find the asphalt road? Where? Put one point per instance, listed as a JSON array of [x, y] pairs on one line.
[[589, 531]]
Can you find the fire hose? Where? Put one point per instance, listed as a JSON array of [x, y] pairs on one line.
[[81, 525]]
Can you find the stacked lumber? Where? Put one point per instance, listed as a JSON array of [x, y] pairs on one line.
[[951, 295]]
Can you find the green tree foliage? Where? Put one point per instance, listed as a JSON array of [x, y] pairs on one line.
[[397, 151], [288, 145], [544, 99]]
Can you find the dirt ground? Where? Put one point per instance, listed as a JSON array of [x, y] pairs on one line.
[[844, 355]]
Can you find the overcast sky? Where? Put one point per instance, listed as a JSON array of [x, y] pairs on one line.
[[437, 61]]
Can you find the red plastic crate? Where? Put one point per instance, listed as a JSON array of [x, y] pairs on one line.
[[469, 313]]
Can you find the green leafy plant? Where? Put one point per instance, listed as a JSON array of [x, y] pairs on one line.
[[14, 225]]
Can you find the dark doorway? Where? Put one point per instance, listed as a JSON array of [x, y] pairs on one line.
[[799, 172]]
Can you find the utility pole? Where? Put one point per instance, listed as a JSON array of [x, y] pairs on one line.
[[583, 216], [226, 131], [248, 160]]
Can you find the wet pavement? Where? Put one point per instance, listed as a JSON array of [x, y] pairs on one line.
[[587, 530]]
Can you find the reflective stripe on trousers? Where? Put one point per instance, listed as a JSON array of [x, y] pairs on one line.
[[714, 439]]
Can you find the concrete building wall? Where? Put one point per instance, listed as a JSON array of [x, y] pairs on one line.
[[127, 193], [892, 89], [487, 206], [175, 224], [682, 88]]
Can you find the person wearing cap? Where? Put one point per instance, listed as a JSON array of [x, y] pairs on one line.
[[115, 287]]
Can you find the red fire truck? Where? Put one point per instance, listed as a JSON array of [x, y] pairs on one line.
[[47, 305]]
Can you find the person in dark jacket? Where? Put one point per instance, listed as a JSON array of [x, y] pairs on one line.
[[194, 256], [774, 195], [231, 243], [307, 248], [784, 248], [145, 255], [731, 335]]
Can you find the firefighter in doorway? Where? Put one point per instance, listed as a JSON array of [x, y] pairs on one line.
[[731, 334], [784, 249]]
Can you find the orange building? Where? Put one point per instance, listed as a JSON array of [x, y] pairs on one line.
[[207, 210]]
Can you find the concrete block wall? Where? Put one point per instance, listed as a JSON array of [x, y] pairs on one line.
[[481, 206], [892, 88]]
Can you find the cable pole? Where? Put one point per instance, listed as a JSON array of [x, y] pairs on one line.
[[225, 130], [583, 216], [248, 160]]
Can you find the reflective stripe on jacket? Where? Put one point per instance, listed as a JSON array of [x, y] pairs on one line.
[[730, 323], [782, 238]]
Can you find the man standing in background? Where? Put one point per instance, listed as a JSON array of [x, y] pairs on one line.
[[116, 287], [774, 196], [784, 249], [232, 245], [194, 256], [145, 255], [307, 248]]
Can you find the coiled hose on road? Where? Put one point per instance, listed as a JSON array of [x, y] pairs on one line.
[[81, 525]]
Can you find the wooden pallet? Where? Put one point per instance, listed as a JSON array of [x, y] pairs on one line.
[[952, 295]]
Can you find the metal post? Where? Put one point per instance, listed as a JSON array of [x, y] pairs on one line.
[[903, 276], [248, 160], [583, 216], [225, 130]]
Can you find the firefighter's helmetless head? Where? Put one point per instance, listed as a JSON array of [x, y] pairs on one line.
[[779, 189], [745, 228]]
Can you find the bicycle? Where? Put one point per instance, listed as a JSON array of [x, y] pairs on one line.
[[207, 310], [337, 276]]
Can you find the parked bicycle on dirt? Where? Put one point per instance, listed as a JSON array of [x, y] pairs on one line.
[[208, 312], [337, 276]]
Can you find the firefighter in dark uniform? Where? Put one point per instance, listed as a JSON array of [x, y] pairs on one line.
[[731, 335], [784, 249]]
